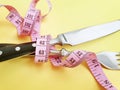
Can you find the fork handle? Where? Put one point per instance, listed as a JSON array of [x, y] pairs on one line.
[[13, 51]]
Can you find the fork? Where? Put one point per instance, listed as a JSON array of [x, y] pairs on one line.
[[109, 60]]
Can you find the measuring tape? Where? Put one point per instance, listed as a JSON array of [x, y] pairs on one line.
[[30, 26], [76, 57], [72, 60], [42, 49]]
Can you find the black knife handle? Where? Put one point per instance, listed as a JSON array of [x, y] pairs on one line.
[[5, 44], [13, 51]]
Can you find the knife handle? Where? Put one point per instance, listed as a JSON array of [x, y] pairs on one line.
[[13, 51], [5, 44]]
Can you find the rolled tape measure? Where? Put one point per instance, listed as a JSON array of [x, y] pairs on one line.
[[30, 25]]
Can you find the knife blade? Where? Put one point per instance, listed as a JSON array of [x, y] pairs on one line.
[[87, 34]]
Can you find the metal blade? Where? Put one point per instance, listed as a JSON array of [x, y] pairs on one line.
[[87, 34]]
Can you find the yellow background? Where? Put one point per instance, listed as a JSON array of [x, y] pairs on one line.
[[66, 15]]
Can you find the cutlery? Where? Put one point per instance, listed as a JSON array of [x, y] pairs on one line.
[[83, 35], [110, 60]]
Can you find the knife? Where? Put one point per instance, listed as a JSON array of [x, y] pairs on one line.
[[83, 35]]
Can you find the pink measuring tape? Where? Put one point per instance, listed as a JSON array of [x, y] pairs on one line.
[[30, 26], [42, 49], [72, 60]]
